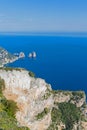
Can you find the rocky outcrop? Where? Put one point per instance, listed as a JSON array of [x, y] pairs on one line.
[[28, 92], [36, 100], [6, 57]]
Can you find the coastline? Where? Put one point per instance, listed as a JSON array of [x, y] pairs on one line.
[[9, 61]]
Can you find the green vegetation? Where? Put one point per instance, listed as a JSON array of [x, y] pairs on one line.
[[74, 93], [79, 94], [56, 115], [42, 114], [61, 91], [10, 69], [2, 85], [31, 74], [48, 93], [56, 118], [53, 127], [8, 109], [70, 114], [84, 105]]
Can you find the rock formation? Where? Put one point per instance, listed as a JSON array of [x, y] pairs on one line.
[[39, 107], [6, 57]]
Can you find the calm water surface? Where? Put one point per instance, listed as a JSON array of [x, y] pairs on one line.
[[61, 61]]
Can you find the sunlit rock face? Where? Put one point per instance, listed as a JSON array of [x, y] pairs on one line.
[[35, 100], [29, 93]]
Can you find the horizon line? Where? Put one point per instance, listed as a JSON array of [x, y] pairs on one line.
[[38, 33]]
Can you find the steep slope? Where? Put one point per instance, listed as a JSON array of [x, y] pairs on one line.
[[6, 57], [41, 108]]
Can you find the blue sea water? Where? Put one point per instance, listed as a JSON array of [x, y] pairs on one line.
[[61, 61]]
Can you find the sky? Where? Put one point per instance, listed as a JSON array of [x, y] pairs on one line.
[[43, 15]]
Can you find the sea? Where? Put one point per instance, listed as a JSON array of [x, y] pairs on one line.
[[61, 60]]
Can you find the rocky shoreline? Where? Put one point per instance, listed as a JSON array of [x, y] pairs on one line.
[[6, 57]]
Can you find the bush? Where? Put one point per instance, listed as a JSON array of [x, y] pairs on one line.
[[79, 94], [56, 118], [70, 114], [56, 115], [42, 114], [11, 68], [10, 107], [31, 74], [8, 121], [2, 85]]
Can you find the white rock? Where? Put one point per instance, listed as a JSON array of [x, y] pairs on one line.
[[28, 93]]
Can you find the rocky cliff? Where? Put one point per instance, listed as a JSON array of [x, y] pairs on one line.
[[6, 57], [40, 107]]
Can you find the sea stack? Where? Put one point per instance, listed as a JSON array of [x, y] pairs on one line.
[[32, 54], [21, 55]]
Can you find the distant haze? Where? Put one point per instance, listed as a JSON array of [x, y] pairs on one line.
[[43, 15]]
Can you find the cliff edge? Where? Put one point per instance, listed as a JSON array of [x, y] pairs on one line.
[[38, 107]]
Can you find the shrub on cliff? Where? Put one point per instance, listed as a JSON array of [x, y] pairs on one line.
[[70, 114], [2, 85], [31, 74], [42, 114], [10, 107], [8, 110]]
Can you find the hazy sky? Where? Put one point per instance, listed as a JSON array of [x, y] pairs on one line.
[[43, 15]]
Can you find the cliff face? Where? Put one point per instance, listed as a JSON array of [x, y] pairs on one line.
[[39, 107], [29, 94], [6, 57]]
